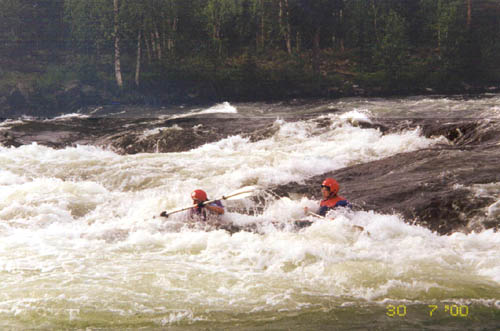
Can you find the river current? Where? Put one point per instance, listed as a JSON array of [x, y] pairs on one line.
[[82, 245]]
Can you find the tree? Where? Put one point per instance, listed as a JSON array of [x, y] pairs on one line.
[[469, 13], [392, 51], [316, 19], [28, 26], [95, 26], [285, 27], [218, 13], [118, 70], [450, 33], [11, 22], [360, 31], [91, 26]]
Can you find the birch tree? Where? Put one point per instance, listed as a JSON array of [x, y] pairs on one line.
[[118, 70], [285, 26], [218, 13]]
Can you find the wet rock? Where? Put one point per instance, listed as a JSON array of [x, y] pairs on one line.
[[132, 136], [70, 97], [185, 134], [428, 187], [4, 107], [466, 132], [90, 95]]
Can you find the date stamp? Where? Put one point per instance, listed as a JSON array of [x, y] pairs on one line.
[[453, 310]]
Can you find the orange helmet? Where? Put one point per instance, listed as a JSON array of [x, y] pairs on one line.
[[199, 195], [332, 185]]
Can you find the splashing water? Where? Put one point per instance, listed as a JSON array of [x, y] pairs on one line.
[[80, 247]]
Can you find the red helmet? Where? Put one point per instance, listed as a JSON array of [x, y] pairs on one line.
[[332, 185], [199, 195]]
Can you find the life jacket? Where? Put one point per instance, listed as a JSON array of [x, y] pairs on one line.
[[331, 203], [201, 214]]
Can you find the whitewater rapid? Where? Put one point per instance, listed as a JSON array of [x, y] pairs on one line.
[[81, 243]]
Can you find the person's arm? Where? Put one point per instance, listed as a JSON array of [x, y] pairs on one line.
[[215, 207], [321, 211]]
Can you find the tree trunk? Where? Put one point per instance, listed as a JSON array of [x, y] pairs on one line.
[[341, 17], [217, 38], [138, 62], [262, 27], [281, 20], [298, 41], [288, 38], [469, 13], [118, 71], [153, 45], [316, 42], [375, 19], [285, 24], [158, 43], [147, 43], [171, 35]]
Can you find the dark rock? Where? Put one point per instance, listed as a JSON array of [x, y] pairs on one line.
[[4, 107], [127, 136], [91, 95], [16, 100], [430, 187], [70, 98]]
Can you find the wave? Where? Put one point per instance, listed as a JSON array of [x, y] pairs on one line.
[[80, 242], [222, 108]]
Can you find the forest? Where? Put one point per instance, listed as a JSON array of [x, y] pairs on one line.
[[72, 53]]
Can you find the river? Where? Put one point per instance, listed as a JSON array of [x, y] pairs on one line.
[[82, 245]]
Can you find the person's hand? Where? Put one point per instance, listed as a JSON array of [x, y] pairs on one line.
[[164, 214], [306, 210], [200, 205]]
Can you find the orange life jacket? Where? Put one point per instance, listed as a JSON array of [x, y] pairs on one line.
[[331, 202]]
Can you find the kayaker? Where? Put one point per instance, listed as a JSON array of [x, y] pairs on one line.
[[331, 199], [204, 212], [201, 210]]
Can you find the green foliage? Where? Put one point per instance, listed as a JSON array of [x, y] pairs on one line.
[[450, 27], [10, 21], [236, 48], [90, 24], [29, 25], [54, 77], [392, 51]]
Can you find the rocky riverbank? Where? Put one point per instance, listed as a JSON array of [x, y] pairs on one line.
[[26, 99]]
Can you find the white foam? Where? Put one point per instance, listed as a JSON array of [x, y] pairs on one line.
[[225, 108], [222, 108], [77, 231], [70, 116], [490, 190], [158, 130], [357, 115]]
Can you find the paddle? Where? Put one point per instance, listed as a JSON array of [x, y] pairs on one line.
[[238, 194], [325, 218]]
